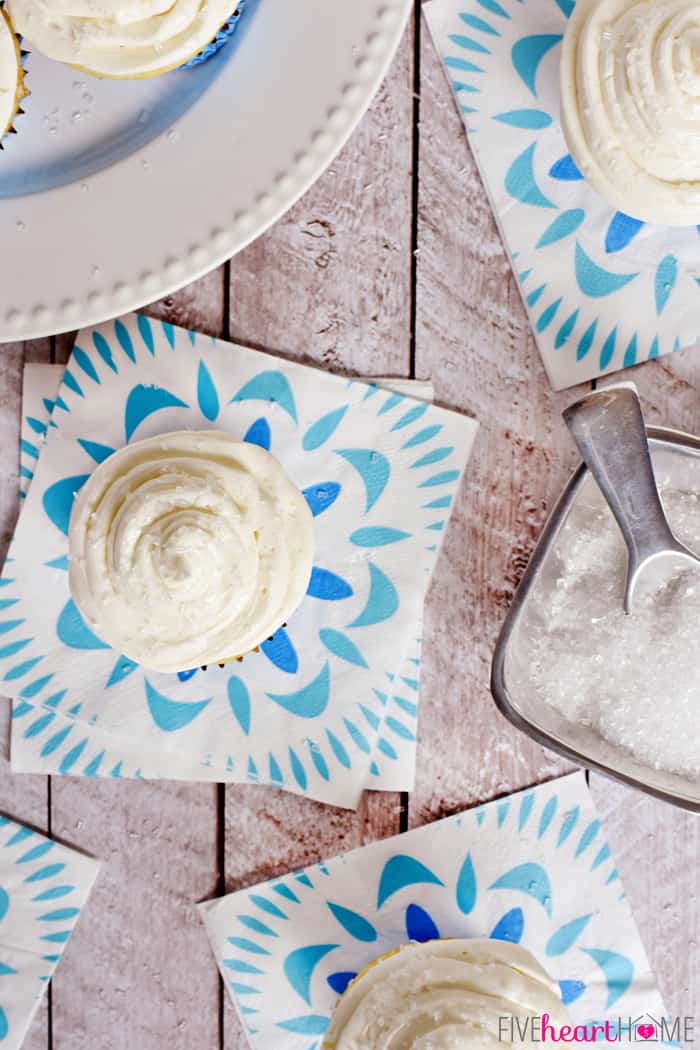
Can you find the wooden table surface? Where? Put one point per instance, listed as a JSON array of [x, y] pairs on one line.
[[391, 264]]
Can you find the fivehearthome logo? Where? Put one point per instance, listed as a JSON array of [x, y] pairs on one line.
[[643, 1029]]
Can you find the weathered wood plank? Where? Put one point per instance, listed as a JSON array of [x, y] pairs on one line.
[[656, 845], [472, 338], [329, 284], [139, 972], [25, 798]]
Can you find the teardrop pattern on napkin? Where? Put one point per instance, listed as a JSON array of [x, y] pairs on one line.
[[509, 927], [239, 700], [207, 397], [319, 432], [382, 600], [172, 715], [528, 878], [328, 586], [617, 969], [311, 700], [420, 926], [595, 281], [373, 467], [563, 938], [321, 496], [664, 280], [271, 386], [466, 886], [520, 181], [258, 433], [143, 401], [527, 53], [356, 925], [58, 500], [300, 964], [400, 871], [341, 646], [281, 652], [74, 632]]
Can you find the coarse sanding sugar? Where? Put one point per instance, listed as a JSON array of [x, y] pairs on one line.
[[633, 678]]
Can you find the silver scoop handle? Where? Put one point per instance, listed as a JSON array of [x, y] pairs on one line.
[[608, 428]]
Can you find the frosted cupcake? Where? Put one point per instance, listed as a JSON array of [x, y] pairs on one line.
[[126, 39], [188, 549], [446, 995], [12, 89], [630, 109]]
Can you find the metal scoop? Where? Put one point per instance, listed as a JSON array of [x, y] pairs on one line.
[[608, 428]]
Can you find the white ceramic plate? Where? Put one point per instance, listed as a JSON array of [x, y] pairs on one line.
[[115, 193]]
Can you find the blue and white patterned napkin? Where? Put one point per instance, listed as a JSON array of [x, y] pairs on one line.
[[533, 869], [602, 290], [319, 708], [43, 888]]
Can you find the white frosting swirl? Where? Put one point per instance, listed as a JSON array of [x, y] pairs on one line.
[[11, 80], [188, 548], [121, 38], [630, 104], [445, 995]]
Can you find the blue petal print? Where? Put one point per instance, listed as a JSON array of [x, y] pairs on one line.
[[207, 397], [85, 364], [169, 333], [528, 878], [74, 632], [534, 119], [280, 651], [322, 496], [586, 341], [621, 230], [571, 991], [566, 330], [124, 340], [382, 601], [617, 969], [596, 282], [468, 44], [144, 327], [185, 676], [298, 769], [509, 927], [311, 1024], [565, 6], [562, 226], [4, 903], [565, 170], [527, 53], [270, 386], [340, 645], [567, 825], [258, 433], [520, 181], [377, 536], [103, 349], [401, 871], [171, 715], [547, 816], [631, 352], [420, 925], [466, 886], [95, 450], [4, 1024], [664, 281], [121, 670], [356, 925], [300, 964], [607, 350], [339, 981], [58, 500], [319, 432], [480, 24], [309, 701], [327, 586], [240, 702], [373, 468], [563, 938], [143, 401]]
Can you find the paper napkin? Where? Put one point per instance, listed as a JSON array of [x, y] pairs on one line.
[[394, 757], [309, 713], [43, 888], [533, 869], [602, 290]]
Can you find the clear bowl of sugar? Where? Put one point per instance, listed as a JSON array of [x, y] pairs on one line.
[[619, 693]]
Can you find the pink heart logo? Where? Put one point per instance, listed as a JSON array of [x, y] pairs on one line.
[[646, 1030]]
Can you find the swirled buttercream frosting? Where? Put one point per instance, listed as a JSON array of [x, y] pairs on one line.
[[188, 548], [446, 995], [121, 38], [630, 104], [11, 77]]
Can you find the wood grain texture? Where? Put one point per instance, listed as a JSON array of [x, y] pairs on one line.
[[473, 339], [330, 284], [22, 798], [139, 971]]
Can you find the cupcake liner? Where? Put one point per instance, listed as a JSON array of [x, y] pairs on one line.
[[22, 90], [221, 38]]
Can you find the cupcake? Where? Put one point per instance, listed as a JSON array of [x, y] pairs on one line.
[[447, 994], [127, 39], [188, 549], [630, 83], [12, 89]]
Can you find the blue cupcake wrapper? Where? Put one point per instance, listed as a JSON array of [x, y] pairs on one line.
[[221, 38]]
